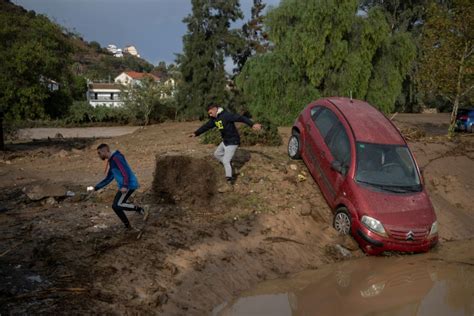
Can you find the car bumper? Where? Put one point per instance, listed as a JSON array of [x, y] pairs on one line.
[[374, 244], [463, 125]]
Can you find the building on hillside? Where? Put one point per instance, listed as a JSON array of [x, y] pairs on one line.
[[107, 94], [117, 52], [134, 77], [132, 50]]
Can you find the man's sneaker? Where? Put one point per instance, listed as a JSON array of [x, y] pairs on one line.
[[226, 187], [145, 212], [130, 229]]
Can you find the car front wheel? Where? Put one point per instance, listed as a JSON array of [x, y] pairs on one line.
[[342, 221], [294, 149]]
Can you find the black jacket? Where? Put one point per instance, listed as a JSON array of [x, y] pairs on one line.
[[225, 124]]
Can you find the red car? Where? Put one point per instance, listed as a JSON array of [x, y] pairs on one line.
[[367, 174]]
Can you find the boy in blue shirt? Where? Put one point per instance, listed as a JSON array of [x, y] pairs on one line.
[[126, 181]]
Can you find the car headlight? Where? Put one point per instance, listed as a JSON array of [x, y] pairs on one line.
[[434, 229], [374, 225]]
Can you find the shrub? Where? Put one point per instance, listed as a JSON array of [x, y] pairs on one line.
[[268, 136], [83, 112]]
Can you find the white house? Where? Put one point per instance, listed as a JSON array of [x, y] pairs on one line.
[[107, 94], [133, 77], [132, 50]]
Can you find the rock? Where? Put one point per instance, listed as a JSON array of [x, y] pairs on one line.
[[62, 154], [338, 252], [349, 243], [306, 211], [301, 177], [163, 299], [49, 201], [293, 167], [38, 192]]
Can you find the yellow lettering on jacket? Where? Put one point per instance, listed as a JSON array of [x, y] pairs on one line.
[[219, 124]]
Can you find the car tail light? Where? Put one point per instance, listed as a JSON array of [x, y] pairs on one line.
[[462, 117]]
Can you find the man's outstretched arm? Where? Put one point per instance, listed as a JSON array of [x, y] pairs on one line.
[[204, 128], [107, 180]]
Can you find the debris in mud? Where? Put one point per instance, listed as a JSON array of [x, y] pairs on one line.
[[338, 252], [184, 180], [412, 133]]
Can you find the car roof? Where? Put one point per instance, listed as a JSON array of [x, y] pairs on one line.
[[368, 124]]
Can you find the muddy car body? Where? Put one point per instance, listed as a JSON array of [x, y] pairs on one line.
[[367, 174]]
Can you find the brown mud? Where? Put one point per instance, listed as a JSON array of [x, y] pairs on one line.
[[68, 255]]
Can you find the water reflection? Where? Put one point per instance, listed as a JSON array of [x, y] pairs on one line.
[[369, 286]]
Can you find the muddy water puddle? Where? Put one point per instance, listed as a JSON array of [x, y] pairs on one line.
[[407, 285]]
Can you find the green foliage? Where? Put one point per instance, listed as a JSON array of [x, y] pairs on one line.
[[146, 98], [254, 35], [448, 54], [268, 136], [324, 49], [207, 42], [33, 51], [83, 112], [274, 88]]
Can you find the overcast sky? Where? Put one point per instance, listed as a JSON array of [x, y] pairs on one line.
[[154, 27]]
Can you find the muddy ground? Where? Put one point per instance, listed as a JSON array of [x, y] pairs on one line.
[[70, 255]]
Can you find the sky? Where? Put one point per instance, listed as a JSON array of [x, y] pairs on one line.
[[154, 27]]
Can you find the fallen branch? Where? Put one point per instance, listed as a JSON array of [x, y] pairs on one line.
[[7, 251], [282, 239]]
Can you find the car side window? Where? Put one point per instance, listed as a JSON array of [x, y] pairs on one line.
[[338, 144], [325, 120]]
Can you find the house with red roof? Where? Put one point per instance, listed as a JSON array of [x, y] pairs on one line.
[[134, 77]]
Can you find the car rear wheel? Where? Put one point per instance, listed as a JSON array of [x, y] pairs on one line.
[[294, 150], [342, 221]]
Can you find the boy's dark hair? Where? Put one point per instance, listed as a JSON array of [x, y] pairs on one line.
[[102, 146], [211, 106]]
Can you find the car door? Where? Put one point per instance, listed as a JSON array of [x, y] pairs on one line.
[[322, 121], [338, 144]]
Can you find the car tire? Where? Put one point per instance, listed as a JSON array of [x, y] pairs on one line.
[[342, 221], [294, 149]]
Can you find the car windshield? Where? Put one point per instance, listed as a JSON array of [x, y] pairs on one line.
[[387, 167]]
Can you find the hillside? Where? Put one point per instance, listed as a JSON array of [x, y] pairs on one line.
[[88, 59]]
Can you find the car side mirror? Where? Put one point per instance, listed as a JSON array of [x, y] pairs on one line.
[[338, 167]]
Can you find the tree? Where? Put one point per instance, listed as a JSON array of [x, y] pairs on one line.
[[326, 48], [145, 97], [254, 35], [207, 42], [33, 53], [447, 60]]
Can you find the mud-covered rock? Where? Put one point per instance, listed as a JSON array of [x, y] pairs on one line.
[[39, 191]]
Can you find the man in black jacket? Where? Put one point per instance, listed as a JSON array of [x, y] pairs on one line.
[[224, 122]]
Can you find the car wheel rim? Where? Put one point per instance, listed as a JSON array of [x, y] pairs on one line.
[[342, 223], [293, 146]]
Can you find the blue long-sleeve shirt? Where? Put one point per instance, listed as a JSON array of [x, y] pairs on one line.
[[120, 171]]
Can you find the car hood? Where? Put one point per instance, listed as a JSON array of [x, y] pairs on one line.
[[393, 209]]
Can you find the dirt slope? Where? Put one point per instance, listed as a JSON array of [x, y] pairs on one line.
[[72, 255]]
